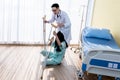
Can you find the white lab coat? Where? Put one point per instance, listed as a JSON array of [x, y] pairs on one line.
[[62, 17]]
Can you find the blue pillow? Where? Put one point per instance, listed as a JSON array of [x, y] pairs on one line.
[[98, 33]]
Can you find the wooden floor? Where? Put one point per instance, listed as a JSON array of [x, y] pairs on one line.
[[23, 63]]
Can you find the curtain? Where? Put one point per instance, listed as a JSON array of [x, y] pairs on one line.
[[21, 20]]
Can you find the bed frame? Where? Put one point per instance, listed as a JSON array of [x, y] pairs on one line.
[[101, 62]]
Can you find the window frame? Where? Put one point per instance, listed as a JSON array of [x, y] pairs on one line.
[[89, 13]]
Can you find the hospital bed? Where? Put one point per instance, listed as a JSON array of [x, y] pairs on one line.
[[100, 53]]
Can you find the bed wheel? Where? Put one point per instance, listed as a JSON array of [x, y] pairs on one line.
[[117, 78], [99, 77], [80, 56], [74, 51], [80, 74], [41, 78]]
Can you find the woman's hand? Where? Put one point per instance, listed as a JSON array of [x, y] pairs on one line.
[[52, 39], [54, 33]]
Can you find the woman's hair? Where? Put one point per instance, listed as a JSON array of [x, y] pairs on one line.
[[61, 38]]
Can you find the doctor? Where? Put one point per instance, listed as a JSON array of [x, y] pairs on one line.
[[63, 21]]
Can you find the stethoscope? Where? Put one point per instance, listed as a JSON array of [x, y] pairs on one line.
[[58, 15]]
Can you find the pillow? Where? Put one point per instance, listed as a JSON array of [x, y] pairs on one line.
[[98, 33]]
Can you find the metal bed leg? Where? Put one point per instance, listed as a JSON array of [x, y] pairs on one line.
[[77, 49], [80, 74], [117, 78], [99, 77]]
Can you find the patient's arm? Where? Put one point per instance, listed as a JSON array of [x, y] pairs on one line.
[[54, 25], [51, 40], [57, 39]]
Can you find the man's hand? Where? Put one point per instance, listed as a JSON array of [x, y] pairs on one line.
[[60, 24], [45, 21]]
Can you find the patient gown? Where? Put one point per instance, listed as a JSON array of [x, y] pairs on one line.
[[55, 57]]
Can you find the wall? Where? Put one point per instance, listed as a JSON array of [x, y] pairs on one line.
[[106, 14]]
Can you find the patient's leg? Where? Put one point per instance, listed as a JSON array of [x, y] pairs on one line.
[[50, 61], [44, 52]]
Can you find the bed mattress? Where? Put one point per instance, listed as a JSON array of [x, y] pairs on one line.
[[97, 43]]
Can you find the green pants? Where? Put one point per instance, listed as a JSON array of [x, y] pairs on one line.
[[51, 58]]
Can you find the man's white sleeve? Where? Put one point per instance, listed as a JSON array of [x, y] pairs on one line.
[[67, 21], [52, 19]]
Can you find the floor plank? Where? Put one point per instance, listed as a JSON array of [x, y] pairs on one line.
[[23, 63]]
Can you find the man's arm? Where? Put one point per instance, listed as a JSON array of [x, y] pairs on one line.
[[67, 21], [51, 20]]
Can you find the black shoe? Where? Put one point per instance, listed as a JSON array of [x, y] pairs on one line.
[[59, 64]]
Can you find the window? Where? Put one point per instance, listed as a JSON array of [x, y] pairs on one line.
[[21, 20]]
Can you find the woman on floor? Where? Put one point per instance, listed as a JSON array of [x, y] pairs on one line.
[[60, 46]]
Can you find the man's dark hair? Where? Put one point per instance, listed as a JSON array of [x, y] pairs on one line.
[[55, 5], [61, 38]]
